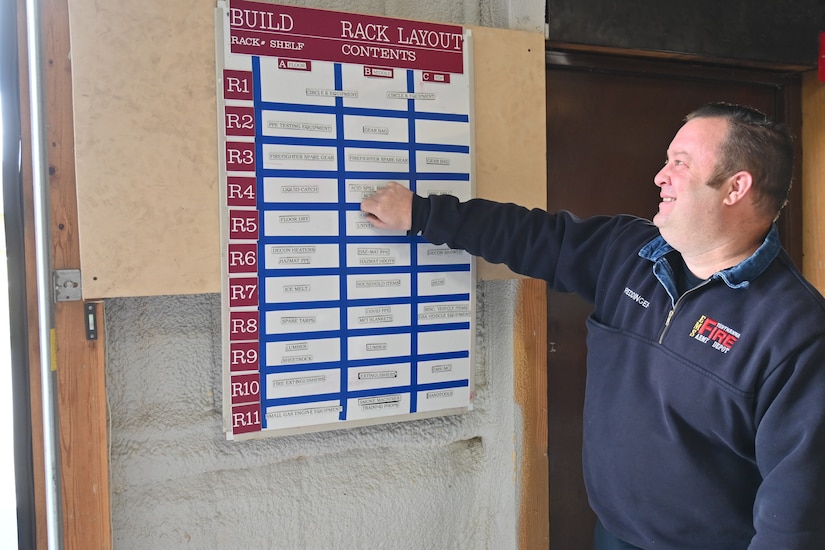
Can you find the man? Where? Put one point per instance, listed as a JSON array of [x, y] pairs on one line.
[[704, 420]]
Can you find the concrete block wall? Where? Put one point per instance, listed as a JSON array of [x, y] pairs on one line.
[[441, 483]]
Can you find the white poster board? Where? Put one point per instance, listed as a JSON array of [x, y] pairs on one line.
[[327, 321]]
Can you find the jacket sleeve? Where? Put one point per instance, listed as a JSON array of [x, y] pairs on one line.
[[567, 252], [789, 508]]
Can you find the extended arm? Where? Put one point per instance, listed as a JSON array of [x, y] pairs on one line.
[[559, 248]]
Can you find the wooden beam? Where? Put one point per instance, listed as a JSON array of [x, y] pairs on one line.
[[81, 392], [530, 350], [81, 383], [83, 431], [813, 177]]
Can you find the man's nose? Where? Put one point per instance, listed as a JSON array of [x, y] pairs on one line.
[[659, 179]]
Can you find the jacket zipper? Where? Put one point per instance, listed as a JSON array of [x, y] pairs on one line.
[[675, 306]]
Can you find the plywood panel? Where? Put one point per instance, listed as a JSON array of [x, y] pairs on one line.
[[511, 157], [813, 176], [146, 140], [146, 146]]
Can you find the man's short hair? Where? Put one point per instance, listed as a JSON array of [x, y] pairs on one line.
[[758, 145]]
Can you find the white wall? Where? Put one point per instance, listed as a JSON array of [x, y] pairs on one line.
[[443, 483]]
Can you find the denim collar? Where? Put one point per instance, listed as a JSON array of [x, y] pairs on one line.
[[738, 276]]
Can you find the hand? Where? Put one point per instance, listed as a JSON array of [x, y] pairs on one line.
[[390, 207]]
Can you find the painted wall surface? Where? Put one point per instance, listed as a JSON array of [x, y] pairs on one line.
[[442, 483], [780, 31]]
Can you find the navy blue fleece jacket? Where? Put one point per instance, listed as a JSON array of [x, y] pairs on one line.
[[704, 420]]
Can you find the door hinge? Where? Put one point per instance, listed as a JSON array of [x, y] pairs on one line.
[[67, 285]]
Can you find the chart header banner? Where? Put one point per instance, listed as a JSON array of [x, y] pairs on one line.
[[305, 33]]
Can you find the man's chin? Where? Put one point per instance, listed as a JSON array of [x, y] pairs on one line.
[[657, 221]]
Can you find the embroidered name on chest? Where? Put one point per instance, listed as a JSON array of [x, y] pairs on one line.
[[714, 333], [636, 297]]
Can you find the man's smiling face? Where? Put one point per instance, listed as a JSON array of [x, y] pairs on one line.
[[689, 210]]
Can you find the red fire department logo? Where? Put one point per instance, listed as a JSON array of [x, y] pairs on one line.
[[719, 336]]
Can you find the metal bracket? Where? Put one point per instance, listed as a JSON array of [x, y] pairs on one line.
[[66, 285]]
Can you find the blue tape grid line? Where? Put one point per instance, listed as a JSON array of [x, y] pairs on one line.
[[342, 249], [259, 189], [413, 390], [413, 255], [341, 176]]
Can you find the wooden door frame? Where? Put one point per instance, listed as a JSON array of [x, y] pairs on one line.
[[78, 362]]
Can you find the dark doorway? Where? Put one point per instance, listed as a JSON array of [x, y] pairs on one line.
[[18, 476], [609, 122]]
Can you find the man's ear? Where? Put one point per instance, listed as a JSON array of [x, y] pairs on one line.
[[739, 185]]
